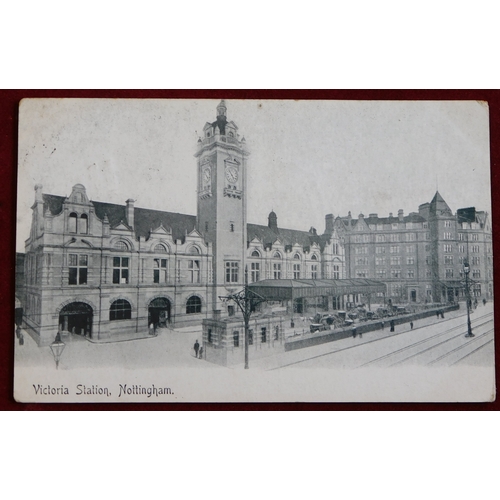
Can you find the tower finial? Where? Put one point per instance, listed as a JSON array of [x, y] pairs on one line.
[[221, 108]]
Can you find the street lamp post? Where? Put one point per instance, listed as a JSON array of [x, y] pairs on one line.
[[57, 348], [246, 301], [467, 297]]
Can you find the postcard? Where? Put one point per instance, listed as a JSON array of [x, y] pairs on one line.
[[182, 250]]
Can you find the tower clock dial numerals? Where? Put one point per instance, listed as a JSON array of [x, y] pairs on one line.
[[206, 176], [232, 174]]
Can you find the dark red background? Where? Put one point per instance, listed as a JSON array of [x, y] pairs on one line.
[[9, 100]]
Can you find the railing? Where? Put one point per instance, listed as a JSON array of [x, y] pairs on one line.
[[222, 138]]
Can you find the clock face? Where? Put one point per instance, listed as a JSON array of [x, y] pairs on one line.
[[206, 176], [232, 174]]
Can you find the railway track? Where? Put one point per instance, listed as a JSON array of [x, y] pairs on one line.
[[432, 347], [482, 337], [459, 328]]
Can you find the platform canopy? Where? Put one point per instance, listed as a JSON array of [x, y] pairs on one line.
[[296, 289]]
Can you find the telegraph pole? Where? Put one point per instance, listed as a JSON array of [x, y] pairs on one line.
[[246, 300]]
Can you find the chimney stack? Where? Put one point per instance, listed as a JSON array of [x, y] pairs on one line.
[[130, 212], [400, 215], [329, 221]]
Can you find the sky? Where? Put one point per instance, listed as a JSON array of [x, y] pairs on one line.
[[307, 158]]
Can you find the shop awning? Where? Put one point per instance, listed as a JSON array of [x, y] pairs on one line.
[[296, 289]]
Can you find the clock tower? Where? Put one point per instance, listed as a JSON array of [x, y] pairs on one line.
[[222, 202]]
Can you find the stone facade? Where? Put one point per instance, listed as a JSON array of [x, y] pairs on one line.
[[95, 269]]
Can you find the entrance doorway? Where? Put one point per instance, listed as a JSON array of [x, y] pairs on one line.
[[413, 295], [76, 318], [159, 312]]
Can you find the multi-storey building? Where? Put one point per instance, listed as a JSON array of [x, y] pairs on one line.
[[101, 269], [421, 256]]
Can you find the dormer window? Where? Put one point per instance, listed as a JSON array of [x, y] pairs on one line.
[[230, 134]]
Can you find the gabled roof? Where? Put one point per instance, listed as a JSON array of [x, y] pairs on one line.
[[144, 218], [288, 237]]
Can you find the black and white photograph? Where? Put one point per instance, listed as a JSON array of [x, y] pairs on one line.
[[231, 250]]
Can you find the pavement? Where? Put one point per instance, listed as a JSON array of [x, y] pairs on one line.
[[172, 348]]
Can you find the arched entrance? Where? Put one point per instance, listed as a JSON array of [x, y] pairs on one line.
[[159, 312], [76, 318]]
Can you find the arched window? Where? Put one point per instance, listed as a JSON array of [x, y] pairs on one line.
[[121, 245], [314, 257], [84, 224], [255, 254], [72, 222], [193, 305], [194, 251], [277, 255], [160, 249], [296, 256], [120, 309]]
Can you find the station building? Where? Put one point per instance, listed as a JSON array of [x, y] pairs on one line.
[[102, 270]]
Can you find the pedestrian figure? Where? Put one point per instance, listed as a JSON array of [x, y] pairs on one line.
[[442, 314], [392, 325], [201, 352], [360, 335], [382, 324], [196, 347], [411, 325], [21, 339], [18, 331], [151, 329], [437, 314], [475, 304], [353, 332], [484, 302]]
